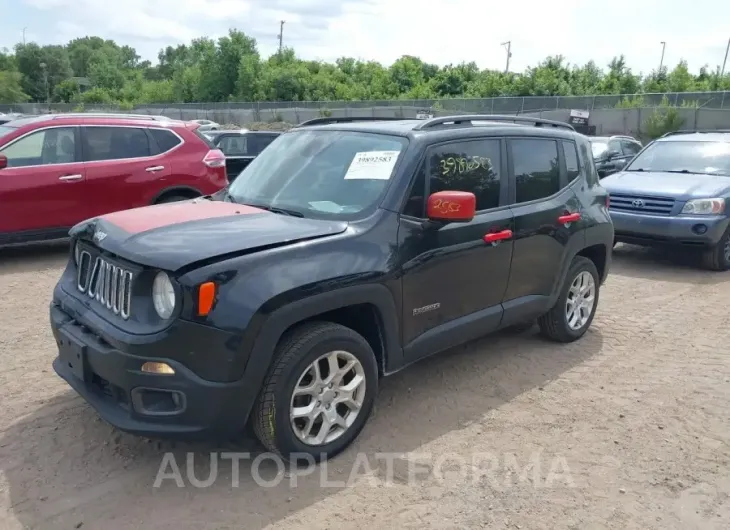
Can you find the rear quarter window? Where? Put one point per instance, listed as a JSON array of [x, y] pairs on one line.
[[165, 139], [207, 141]]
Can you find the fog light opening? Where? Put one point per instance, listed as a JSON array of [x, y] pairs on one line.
[[699, 229], [158, 368]]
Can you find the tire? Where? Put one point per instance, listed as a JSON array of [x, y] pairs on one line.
[[172, 198], [295, 353], [717, 258], [554, 324]]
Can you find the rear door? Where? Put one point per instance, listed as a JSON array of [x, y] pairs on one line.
[[547, 222], [44, 187], [453, 281], [122, 167]]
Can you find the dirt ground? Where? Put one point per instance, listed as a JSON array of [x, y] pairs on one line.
[[627, 428]]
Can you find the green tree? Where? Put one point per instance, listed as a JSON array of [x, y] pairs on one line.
[[11, 90]]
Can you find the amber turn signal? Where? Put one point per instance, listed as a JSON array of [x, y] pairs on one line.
[[206, 297]]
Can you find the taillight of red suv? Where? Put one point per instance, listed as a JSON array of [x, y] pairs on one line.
[[215, 158]]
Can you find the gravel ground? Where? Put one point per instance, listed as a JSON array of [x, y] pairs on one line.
[[627, 428]]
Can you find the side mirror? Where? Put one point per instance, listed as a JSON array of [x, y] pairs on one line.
[[611, 154], [3, 161], [451, 206]]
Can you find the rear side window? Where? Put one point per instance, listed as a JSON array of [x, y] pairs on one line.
[[165, 139], [571, 160], [234, 145], [537, 172], [630, 148], [115, 143]]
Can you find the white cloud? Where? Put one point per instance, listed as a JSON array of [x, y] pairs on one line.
[[442, 32]]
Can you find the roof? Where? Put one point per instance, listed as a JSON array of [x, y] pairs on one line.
[[443, 126], [696, 136], [95, 119]]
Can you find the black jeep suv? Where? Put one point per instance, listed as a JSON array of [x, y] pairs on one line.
[[342, 254]]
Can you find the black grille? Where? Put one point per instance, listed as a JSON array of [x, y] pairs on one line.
[[106, 282], [639, 204]]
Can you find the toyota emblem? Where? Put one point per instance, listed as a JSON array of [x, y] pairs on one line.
[[637, 203]]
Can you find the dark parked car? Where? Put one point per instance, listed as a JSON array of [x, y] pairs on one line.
[[675, 192], [612, 153], [343, 253], [240, 147]]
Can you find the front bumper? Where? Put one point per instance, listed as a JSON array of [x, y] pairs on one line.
[[699, 230], [111, 381]]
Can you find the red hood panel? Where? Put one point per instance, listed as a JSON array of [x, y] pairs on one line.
[[146, 218]]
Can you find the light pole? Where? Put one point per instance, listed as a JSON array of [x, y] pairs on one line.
[[45, 82], [724, 62], [508, 46], [661, 61], [24, 34]]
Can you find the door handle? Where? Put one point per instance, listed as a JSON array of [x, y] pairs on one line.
[[70, 177], [493, 237], [152, 169], [569, 218]]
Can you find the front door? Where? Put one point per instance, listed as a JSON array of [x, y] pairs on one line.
[[546, 219], [43, 188], [453, 281], [235, 146]]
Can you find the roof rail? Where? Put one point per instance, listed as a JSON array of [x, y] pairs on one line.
[[688, 131], [469, 118], [120, 115], [345, 119]]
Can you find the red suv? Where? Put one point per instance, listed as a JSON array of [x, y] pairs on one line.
[[58, 170]]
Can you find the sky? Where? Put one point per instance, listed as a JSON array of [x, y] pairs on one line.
[[440, 32]]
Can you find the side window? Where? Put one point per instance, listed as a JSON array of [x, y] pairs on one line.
[[615, 145], [630, 148], [589, 163], [571, 160], [233, 145], [467, 166], [48, 146], [114, 143], [537, 173], [165, 139]]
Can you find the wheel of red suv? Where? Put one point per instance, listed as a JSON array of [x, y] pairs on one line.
[[717, 258], [573, 313], [173, 198], [319, 393]]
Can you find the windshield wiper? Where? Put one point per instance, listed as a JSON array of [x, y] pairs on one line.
[[272, 209], [640, 169], [678, 171]]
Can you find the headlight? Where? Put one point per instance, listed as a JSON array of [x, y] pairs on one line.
[[704, 206], [163, 295]]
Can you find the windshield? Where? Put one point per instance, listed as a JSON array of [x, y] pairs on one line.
[[598, 147], [329, 174], [711, 158]]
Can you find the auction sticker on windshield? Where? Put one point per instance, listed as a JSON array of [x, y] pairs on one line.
[[372, 165]]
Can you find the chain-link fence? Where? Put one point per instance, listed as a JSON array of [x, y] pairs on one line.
[[499, 105]]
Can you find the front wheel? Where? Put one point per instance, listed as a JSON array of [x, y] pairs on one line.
[[717, 258], [572, 314], [319, 393]]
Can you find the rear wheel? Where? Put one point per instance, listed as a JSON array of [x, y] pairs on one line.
[[318, 394], [572, 314], [717, 258]]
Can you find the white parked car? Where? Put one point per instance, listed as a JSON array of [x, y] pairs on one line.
[[207, 125]]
